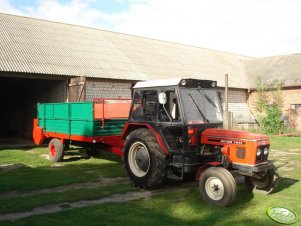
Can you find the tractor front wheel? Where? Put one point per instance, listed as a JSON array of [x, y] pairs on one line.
[[265, 184], [144, 160], [56, 150], [218, 186]]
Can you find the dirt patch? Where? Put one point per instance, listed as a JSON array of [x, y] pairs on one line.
[[287, 168], [45, 156], [116, 198], [102, 182], [56, 165], [8, 167], [288, 152]]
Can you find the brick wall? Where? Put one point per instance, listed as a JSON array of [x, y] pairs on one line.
[[291, 96], [98, 88]]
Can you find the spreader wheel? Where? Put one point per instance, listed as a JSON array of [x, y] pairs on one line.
[[218, 186], [56, 150], [265, 184]]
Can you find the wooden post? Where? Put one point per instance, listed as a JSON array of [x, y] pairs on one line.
[[227, 115]]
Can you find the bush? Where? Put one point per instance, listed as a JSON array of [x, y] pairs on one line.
[[269, 104], [271, 122]]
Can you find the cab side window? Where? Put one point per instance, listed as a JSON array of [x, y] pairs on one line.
[[144, 106], [170, 111]]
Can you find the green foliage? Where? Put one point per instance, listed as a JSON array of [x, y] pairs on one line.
[[271, 123], [269, 104]]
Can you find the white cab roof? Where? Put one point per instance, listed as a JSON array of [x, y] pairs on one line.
[[156, 83]]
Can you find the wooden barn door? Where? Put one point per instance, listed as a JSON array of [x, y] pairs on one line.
[[77, 89]]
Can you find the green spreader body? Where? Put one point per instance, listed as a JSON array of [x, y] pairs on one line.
[[100, 121], [77, 119]]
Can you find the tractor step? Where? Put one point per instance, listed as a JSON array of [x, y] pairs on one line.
[[171, 174]]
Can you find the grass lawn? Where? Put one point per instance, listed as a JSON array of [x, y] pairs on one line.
[[35, 172], [173, 208]]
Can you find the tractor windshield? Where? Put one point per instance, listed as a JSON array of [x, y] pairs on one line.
[[201, 106]]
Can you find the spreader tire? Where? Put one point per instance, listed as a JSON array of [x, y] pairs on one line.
[[218, 186], [144, 160], [266, 184], [56, 150]]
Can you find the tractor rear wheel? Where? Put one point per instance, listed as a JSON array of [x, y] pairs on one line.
[[218, 186], [266, 184], [144, 160], [56, 150]]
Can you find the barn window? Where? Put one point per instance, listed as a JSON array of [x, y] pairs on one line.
[[296, 108]]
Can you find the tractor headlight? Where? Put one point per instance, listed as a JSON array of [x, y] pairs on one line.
[[183, 82], [258, 152], [266, 151]]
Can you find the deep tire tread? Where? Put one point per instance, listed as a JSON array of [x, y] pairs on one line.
[[59, 150], [157, 173]]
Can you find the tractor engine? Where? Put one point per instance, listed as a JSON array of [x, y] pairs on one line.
[[241, 150]]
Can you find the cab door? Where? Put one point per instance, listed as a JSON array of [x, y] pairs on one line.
[[170, 123]]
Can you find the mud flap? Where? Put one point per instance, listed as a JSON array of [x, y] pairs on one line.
[[38, 133]]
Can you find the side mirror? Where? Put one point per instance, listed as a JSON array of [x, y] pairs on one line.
[[162, 98]]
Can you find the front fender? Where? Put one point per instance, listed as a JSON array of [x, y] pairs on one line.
[[204, 167]]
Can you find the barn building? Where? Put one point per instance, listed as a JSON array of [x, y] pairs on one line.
[[44, 61]]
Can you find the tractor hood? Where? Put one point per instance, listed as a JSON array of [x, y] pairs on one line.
[[232, 136]]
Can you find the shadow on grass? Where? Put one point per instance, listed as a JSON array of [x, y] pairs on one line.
[[285, 183], [25, 178], [181, 208], [26, 148], [76, 154]]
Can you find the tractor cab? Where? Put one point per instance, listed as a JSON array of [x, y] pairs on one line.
[[179, 109]]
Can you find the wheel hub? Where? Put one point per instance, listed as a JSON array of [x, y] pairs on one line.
[[139, 159], [52, 150], [142, 159], [214, 188]]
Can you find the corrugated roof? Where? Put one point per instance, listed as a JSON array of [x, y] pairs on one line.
[[36, 46], [286, 68]]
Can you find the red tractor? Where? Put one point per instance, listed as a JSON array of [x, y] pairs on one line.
[[174, 129]]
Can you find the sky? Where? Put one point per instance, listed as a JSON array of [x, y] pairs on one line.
[[256, 28]]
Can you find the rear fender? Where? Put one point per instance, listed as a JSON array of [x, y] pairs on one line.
[[204, 167], [130, 127]]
